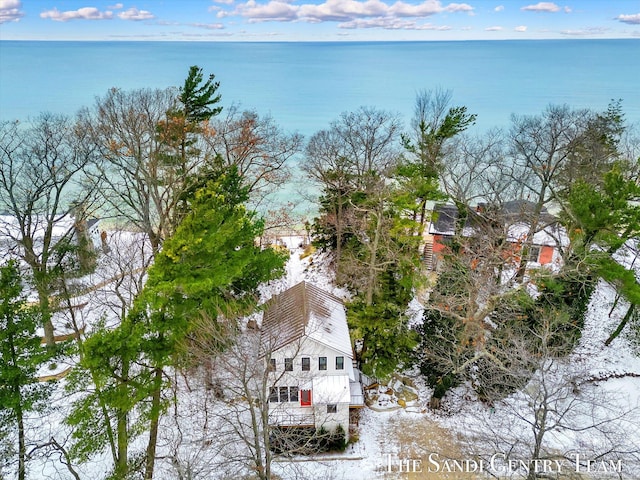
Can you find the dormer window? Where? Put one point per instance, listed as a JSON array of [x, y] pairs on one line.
[[306, 364]]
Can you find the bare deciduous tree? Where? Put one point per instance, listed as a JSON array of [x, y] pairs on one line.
[[355, 154], [558, 412], [124, 128], [541, 148], [43, 168], [257, 146], [97, 419], [477, 170]]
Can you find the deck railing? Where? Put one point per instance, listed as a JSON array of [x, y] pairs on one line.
[[285, 419]]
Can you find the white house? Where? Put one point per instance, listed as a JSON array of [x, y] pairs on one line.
[[305, 342], [64, 227]]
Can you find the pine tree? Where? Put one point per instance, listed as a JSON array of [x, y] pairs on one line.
[[210, 268], [21, 354], [602, 218]]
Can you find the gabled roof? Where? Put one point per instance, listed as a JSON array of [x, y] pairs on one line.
[[445, 220], [305, 310], [510, 214], [92, 221], [520, 208]]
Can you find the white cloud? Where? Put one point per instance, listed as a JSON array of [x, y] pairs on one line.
[[567, 10], [631, 19], [493, 29], [336, 10], [85, 13], [542, 7], [499, 8], [10, 11], [136, 15], [117, 6], [225, 2], [271, 11], [340, 10], [520, 28], [585, 32], [209, 26], [425, 9], [391, 24]]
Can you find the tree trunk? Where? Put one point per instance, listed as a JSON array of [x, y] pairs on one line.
[[423, 215], [122, 454], [339, 240], [153, 429], [22, 449], [45, 309], [123, 445], [373, 258], [622, 324], [539, 429]]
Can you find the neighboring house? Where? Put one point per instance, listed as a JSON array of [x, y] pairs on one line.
[[305, 342], [95, 234], [64, 227], [513, 215]]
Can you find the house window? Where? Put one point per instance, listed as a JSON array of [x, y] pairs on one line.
[[332, 408], [305, 398], [284, 394], [339, 363], [534, 253], [322, 363], [272, 364], [293, 394], [288, 364], [273, 396], [306, 364]]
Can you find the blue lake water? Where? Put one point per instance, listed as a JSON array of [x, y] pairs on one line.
[[306, 85]]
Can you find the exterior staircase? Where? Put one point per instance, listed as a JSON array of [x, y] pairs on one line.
[[427, 255]]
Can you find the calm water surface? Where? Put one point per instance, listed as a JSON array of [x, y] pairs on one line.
[[306, 85]]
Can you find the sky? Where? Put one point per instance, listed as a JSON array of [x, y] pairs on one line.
[[316, 20]]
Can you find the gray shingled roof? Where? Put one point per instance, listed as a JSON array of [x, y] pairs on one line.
[[513, 211], [445, 220]]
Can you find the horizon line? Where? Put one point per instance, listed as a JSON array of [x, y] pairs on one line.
[[236, 40]]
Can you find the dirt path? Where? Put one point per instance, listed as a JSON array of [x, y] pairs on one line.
[[424, 450]]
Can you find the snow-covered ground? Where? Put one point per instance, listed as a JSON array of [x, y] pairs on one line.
[[394, 441]]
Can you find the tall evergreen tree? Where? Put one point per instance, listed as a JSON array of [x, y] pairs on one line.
[[180, 134], [434, 124], [209, 269], [602, 217], [21, 355]]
